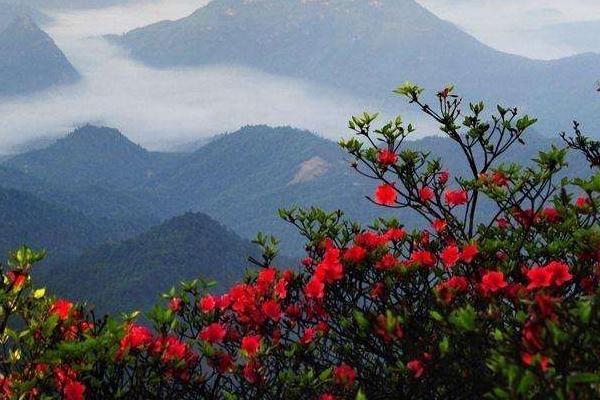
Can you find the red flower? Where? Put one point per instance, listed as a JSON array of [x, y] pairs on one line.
[[213, 333], [386, 195], [175, 304], [315, 288], [447, 289], [582, 202], [266, 278], [531, 335], [74, 391], [136, 337], [308, 336], [16, 278], [172, 349], [377, 290], [330, 269], [456, 197], [370, 240], [416, 367], [281, 288], [387, 157], [528, 359], [327, 396], [272, 310], [61, 308], [450, 256], [545, 304], [439, 225], [426, 194], [395, 234], [493, 281], [207, 303], [423, 258], [502, 223], [551, 214], [5, 387], [469, 252], [355, 254], [539, 278], [251, 372], [388, 261], [251, 344], [344, 376], [443, 177], [499, 178], [560, 272], [554, 273]]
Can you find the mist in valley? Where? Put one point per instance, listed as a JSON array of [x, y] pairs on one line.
[[160, 108]]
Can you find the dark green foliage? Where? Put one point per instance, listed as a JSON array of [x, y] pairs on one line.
[[25, 218], [129, 275]]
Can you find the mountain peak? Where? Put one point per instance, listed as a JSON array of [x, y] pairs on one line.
[[30, 60], [88, 155], [99, 135]]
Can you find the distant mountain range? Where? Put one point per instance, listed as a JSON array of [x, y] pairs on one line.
[[578, 35], [30, 60], [369, 47]]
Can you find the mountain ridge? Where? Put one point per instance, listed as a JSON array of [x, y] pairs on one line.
[[367, 48]]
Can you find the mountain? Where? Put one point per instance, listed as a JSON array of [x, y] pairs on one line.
[[576, 35], [11, 11], [242, 178], [28, 220], [369, 47], [92, 156], [130, 274], [30, 60]]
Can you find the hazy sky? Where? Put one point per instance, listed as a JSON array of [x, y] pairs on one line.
[[517, 26], [154, 107]]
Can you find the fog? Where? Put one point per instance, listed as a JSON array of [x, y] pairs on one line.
[[524, 27], [160, 108]]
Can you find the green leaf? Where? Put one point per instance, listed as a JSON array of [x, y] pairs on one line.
[[526, 382], [325, 375], [464, 318], [584, 377], [360, 395]]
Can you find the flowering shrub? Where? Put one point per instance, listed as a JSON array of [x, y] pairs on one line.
[[497, 296]]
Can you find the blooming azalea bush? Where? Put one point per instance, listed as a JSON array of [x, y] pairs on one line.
[[496, 295]]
